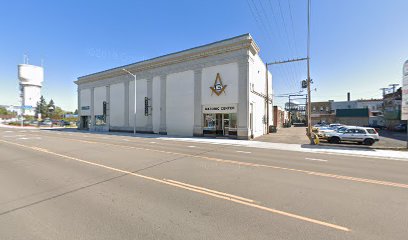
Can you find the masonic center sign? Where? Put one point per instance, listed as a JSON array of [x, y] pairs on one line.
[[218, 87]]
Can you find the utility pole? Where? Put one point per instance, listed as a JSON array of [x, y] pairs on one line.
[[267, 99], [309, 110], [383, 91], [383, 95], [393, 86]]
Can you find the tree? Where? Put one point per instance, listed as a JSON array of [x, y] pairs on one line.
[[41, 107], [76, 112], [3, 111], [51, 104], [58, 113], [50, 108]]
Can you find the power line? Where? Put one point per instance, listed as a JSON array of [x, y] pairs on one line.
[[294, 35], [294, 68], [291, 73], [256, 15], [290, 48]]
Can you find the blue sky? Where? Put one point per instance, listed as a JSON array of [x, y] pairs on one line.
[[357, 46]]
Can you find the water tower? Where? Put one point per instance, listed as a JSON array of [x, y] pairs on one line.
[[31, 78]]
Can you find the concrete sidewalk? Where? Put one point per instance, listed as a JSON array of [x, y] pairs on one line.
[[337, 149]]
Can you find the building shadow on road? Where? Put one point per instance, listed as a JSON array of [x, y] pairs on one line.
[[115, 133], [401, 136]]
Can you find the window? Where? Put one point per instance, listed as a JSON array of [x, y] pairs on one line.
[[314, 108], [360, 131], [327, 108], [341, 130], [321, 108], [371, 131], [350, 131], [233, 120], [100, 120], [209, 121]]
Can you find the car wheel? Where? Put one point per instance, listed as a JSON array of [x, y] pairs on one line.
[[368, 142], [334, 140]]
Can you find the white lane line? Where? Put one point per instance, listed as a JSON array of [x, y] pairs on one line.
[[316, 159], [127, 140], [153, 142], [243, 152], [23, 138], [191, 146], [8, 131]]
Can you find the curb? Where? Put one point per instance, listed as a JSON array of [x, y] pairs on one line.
[[364, 147]]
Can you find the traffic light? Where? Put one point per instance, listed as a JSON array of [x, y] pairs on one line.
[[304, 83]]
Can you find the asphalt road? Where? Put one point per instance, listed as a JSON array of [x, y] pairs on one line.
[[73, 185]]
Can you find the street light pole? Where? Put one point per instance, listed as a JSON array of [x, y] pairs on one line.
[[134, 113]]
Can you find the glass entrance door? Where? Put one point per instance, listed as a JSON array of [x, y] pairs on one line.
[[220, 124]]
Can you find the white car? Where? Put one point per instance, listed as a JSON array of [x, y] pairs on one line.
[[336, 125], [323, 130], [364, 135]]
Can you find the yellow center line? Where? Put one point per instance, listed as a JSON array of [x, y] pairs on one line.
[[320, 174], [210, 190], [197, 189]]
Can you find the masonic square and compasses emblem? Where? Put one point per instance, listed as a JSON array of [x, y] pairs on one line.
[[218, 87]]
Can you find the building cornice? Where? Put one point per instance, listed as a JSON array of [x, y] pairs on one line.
[[230, 45]]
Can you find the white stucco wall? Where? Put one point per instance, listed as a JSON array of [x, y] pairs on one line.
[[180, 103], [117, 104], [229, 77], [99, 97], [156, 98], [85, 100], [257, 82], [141, 93]]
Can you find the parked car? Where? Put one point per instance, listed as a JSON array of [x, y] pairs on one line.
[[64, 123], [321, 131], [336, 125], [46, 123], [402, 127], [318, 125], [361, 135]]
